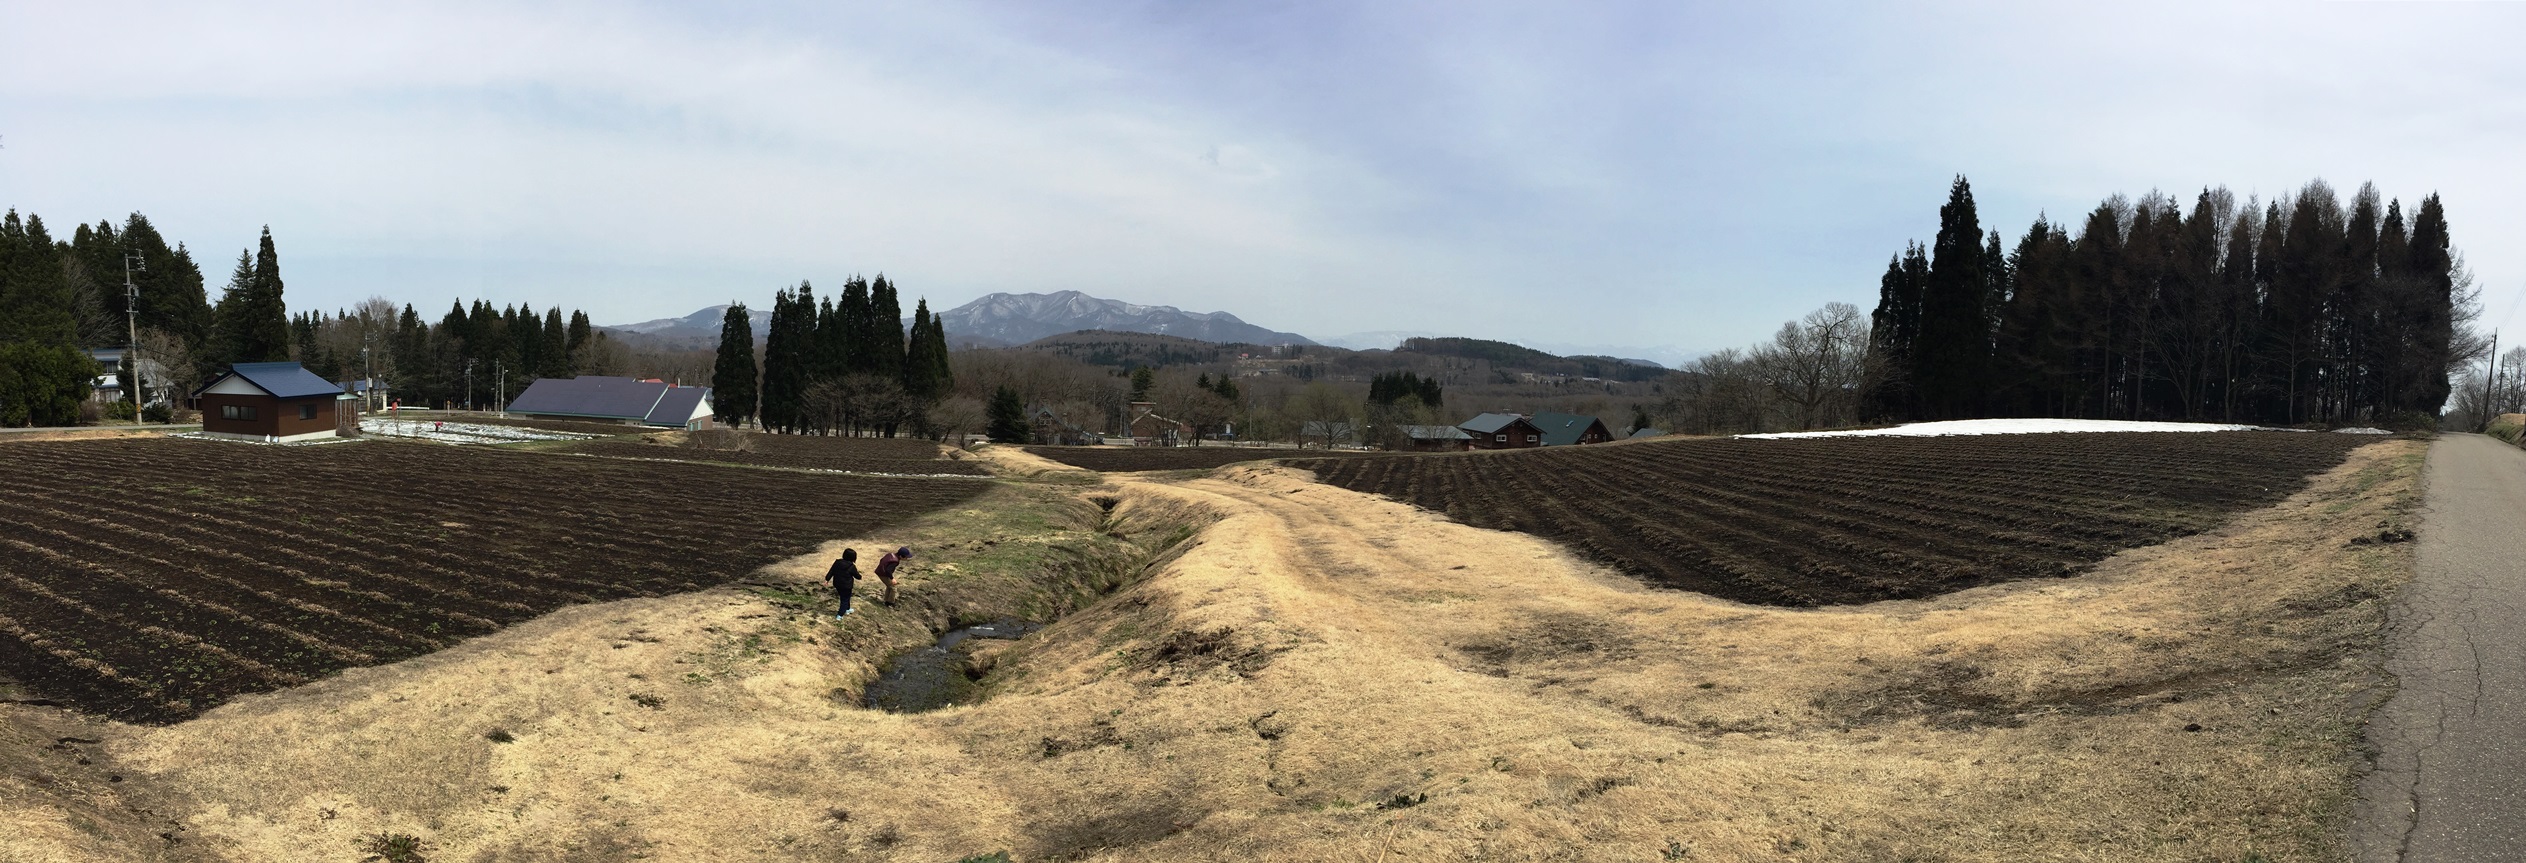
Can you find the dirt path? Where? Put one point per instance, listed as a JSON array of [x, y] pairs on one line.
[[2450, 778]]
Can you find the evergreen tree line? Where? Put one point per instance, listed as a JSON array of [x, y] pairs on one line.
[[834, 366], [505, 347], [59, 297], [1386, 389], [2296, 311]]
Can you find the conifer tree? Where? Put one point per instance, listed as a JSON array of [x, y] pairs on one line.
[[1953, 345], [923, 366], [732, 378], [1893, 333], [885, 330], [579, 333], [554, 355], [252, 322], [859, 349], [1007, 417], [35, 301]]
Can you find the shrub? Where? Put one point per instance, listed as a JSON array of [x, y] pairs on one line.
[[158, 413], [391, 848]]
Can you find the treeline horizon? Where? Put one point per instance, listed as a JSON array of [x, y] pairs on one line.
[[2298, 310], [832, 366]]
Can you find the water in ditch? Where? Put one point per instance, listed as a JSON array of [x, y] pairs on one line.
[[940, 674]]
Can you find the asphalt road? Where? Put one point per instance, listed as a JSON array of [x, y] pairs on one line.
[[2449, 785]]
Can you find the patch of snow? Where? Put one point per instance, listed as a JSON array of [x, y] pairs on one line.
[[461, 433], [2361, 430], [2013, 426], [320, 441]]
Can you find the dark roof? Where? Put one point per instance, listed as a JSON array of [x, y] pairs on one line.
[[1490, 423], [1648, 433], [1565, 429], [675, 408], [1436, 433], [590, 396], [282, 380]]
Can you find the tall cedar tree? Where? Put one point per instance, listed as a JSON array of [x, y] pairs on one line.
[[252, 322], [852, 315], [885, 330], [1894, 334], [732, 377], [1948, 359], [787, 350], [921, 365]]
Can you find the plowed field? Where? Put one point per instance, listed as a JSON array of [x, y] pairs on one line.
[[1844, 520], [1139, 458], [149, 580], [859, 454]]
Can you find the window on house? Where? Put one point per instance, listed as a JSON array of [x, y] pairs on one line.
[[1530, 438], [236, 412], [1500, 438], [306, 412]]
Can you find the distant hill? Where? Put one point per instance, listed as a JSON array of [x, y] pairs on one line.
[[1023, 318], [1109, 348], [696, 331], [1515, 356]]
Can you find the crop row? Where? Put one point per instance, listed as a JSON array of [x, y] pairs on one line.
[[150, 579], [1841, 520]]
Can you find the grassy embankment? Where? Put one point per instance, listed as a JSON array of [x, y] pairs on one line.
[[2508, 427], [1322, 675]]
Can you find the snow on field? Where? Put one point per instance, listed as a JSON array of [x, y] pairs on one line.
[[2013, 426], [461, 433]]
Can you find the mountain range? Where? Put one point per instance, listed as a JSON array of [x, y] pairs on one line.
[[1020, 318], [1005, 319], [1000, 320]]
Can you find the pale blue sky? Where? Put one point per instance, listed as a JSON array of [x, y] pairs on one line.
[[1624, 176]]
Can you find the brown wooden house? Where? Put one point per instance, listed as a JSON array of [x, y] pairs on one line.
[[269, 402], [1502, 431], [1571, 429]]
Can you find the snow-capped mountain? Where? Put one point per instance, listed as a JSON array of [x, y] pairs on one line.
[[1022, 318]]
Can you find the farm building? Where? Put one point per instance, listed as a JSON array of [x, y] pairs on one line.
[[623, 400], [1438, 438], [109, 383], [1149, 429], [1050, 428], [1571, 429], [270, 402], [1502, 431], [1645, 434]]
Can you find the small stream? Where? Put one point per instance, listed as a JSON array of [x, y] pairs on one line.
[[936, 676]]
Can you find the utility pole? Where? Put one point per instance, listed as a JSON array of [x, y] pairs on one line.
[[368, 379], [469, 383], [2490, 382], [131, 316], [502, 400]]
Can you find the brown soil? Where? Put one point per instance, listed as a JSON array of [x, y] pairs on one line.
[[577, 426], [1844, 520], [1122, 459], [147, 580], [854, 454]]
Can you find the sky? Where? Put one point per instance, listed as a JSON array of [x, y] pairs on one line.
[[1650, 179]]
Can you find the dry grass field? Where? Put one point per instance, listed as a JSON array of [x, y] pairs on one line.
[[1317, 674]]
